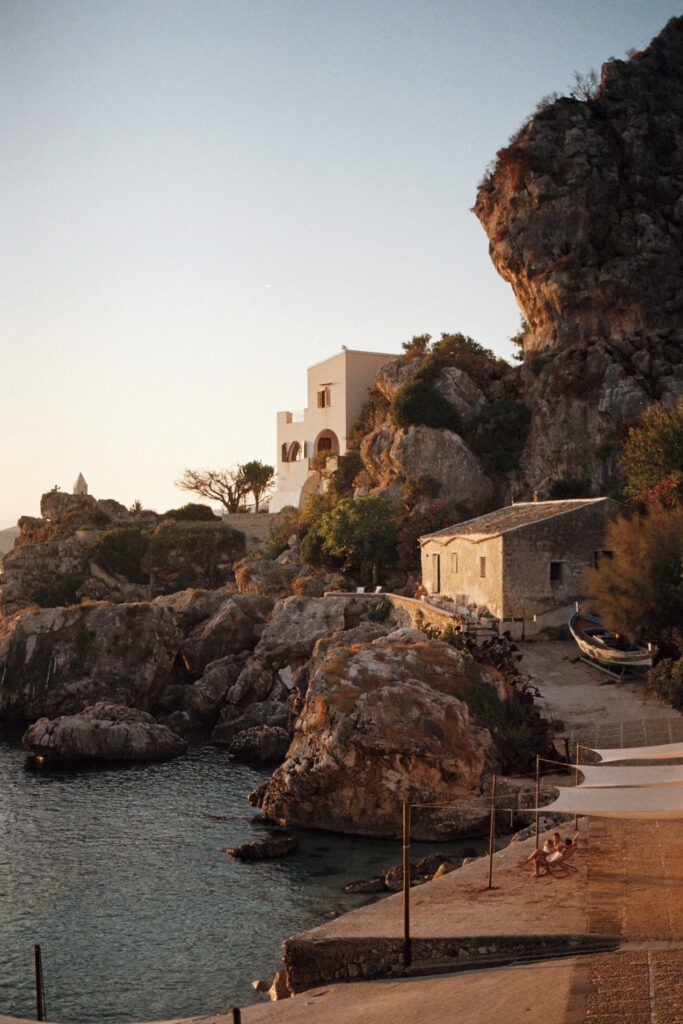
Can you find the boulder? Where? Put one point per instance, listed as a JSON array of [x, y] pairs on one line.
[[297, 623], [57, 661], [103, 732], [272, 847], [383, 723], [260, 745], [207, 696], [425, 451], [233, 628], [271, 713], [261, 576]]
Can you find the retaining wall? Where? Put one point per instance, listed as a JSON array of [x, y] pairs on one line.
[[309, 962]]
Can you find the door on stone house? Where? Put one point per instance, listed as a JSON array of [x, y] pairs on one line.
[[436, 574]]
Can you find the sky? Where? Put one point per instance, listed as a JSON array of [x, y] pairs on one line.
[[202, 198]]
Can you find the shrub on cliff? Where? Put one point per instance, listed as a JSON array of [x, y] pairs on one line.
[[653, 455], [499, 432], [121, 552]]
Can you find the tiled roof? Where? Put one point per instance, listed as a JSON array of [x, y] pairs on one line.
[[512, 517]]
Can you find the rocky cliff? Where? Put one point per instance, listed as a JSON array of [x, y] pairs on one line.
[[584, 213]]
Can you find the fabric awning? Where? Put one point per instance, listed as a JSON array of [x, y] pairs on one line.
[[659, 752], [619, 802], [642, 775]]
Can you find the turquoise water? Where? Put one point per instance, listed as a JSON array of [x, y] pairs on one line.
[[121, 876]]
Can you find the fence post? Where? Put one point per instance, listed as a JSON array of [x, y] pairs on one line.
[[407, 958], [40, 990]]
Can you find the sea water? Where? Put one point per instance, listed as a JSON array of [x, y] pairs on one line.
[[121, 875]]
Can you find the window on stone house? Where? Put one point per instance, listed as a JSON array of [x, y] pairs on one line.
[[598, 556], [454, 561], [324, 398], [482, 566], [557, 572]]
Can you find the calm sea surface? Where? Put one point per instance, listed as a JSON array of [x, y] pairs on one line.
[[121, 876]]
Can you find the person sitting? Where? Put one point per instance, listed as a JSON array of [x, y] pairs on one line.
[[539, 858]]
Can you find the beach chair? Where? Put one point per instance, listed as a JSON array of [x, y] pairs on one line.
[[560, 867]]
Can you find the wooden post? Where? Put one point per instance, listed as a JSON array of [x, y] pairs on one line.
[[538, 792], [492, 831], [40, 992], [407, 958], [236, 1015], [576, 782]]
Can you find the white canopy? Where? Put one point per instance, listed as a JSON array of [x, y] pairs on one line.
[[643, 775], [659, 752], [620, 802]]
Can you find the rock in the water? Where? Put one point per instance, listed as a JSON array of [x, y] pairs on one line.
[[270, 848], [383, 722], [260, 745], [56, 661], [103, 732]]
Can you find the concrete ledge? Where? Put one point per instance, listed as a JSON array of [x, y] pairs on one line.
[[310, 963]]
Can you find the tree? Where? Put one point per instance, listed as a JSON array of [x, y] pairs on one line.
[[652, 461], [639, 590], [258, 478], [359, 534], [226, 486]]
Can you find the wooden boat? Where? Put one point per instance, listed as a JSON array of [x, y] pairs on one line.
[[607, 649]]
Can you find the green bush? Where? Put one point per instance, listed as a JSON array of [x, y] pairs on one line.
[[191, 513], [121, 552], [418, 404], [499, 432], [62, 592], [381, 609], [666, 679]]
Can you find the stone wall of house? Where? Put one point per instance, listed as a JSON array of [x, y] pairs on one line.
[[461, 572], [570, 541]]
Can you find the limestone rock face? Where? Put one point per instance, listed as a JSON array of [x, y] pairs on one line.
[[297, 623], [260, 745], [103, 732], [56, 661], [234, 627], [392, 452], [382, 723], [584, 214]]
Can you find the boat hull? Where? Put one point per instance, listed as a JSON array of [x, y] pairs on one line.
[[601, 645]]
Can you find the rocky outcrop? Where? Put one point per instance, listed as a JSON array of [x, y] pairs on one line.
[[584, 214], [103, 732], [390, 453], [82, 549], [56, 661], [382, 723], [235, 626]]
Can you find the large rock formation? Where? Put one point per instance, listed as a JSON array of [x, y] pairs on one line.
[[384, 722], [84, 549], [584, 213], [103, 732], [57, 661]]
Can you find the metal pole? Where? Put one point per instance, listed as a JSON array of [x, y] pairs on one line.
[[538, 792], [40, 993], [492, 831], [407, 958]]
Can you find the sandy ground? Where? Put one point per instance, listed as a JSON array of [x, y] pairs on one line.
[[594, 710]]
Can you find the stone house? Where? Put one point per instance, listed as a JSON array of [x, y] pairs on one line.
[[525, 561], [309, 440]]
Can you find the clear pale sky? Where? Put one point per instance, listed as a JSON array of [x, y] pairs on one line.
[[202, 198]]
